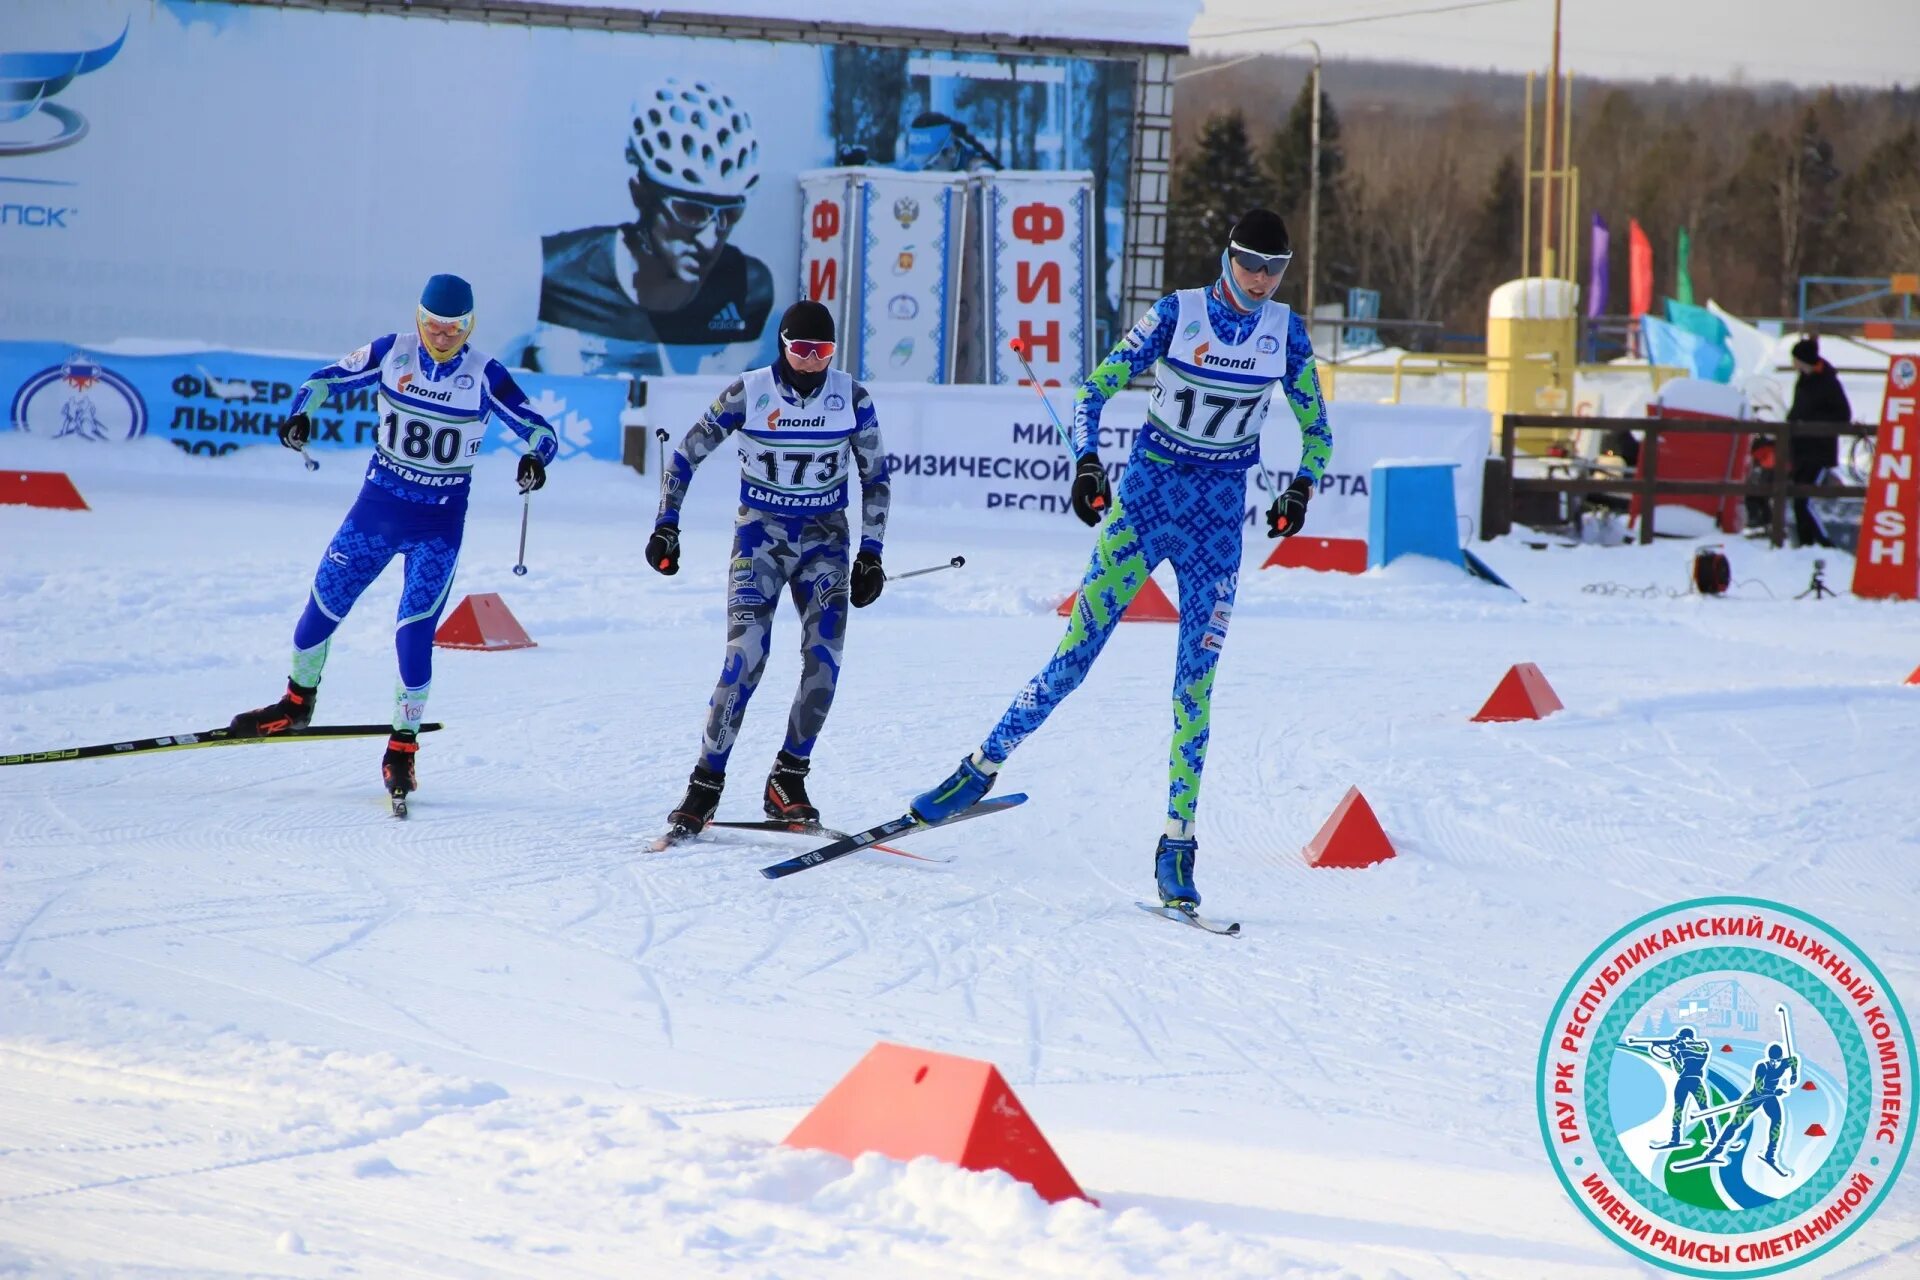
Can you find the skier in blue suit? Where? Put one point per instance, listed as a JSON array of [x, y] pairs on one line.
[[435, 394]]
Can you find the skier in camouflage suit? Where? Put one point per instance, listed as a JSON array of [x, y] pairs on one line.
[[801, 428]]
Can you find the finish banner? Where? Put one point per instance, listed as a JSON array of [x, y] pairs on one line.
[[1887, 561]]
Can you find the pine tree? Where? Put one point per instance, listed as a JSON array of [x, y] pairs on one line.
[[1212, 187], [1779, 201], [1877, 228], [1496, 227]]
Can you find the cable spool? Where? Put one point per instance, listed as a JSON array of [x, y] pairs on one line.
[[1712, 575]]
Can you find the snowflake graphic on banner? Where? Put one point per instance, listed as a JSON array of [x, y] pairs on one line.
[[575, 432]]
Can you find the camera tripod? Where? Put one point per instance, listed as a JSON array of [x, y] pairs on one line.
[[1817, 587]]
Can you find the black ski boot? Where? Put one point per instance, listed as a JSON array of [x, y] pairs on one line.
[[695, 811], [786, 799], [396, 767], [293, 711]]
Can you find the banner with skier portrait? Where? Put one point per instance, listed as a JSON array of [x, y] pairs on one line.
[[623, 202]]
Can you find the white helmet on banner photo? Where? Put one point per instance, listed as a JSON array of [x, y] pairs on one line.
[[694, 139]]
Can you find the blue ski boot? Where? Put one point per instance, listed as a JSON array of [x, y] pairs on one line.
[[1173, 872], [964, 788]]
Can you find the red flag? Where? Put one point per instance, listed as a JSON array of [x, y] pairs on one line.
[[1639, 270]]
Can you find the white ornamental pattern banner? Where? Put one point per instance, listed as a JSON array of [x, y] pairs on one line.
[[907, 274], [1037, 233]]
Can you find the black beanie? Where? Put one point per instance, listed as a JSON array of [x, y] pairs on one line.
[[804, 320], [1807, 350], [807, 320], [1262, 231]]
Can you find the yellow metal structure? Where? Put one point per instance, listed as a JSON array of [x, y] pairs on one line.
[[1532, 326]]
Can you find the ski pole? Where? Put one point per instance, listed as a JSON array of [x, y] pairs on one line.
[[1736, 1104], [1020, 352], [308, 459], [526, 504], [660, 434], [954, 563]]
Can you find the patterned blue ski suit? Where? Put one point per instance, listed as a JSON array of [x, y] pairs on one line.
[[1171, 506], [413, 502]]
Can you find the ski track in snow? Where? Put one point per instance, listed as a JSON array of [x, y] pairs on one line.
[[250, 1024]]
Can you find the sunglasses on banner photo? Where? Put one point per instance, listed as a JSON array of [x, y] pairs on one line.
[[1268, 264], [808, 348], [698, 215]]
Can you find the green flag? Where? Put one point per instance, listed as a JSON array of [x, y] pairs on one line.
[[1682, 273]]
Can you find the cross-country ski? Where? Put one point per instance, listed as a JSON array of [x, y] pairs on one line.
[[894, 829]]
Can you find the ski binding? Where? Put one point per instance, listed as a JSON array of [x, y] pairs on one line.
[[1189, 915]]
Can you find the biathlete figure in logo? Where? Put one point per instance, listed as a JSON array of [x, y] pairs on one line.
[[435, 393], [1221, 352], [1689, 1055], [1763, 1095], [802, 428]]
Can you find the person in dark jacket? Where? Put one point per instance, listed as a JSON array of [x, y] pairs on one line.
[[1817, 397]]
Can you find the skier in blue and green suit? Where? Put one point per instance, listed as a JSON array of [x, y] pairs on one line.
[[1220, 352]]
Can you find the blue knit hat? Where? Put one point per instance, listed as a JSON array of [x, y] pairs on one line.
[[448, 297]]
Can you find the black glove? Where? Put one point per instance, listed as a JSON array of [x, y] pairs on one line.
[[1289, 510], [296, 431], [1092, 496], [663, 549], [532, 473], [868, 579]]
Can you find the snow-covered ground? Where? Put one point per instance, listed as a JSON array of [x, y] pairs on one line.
[[251, 1025]]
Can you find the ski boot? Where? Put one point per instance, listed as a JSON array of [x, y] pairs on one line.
[[293, 711], [695, 811], [963, 788], [397, 771], [1173, 872], [786, 799]]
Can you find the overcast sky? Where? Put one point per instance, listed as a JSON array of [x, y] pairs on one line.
[[1805, 42]]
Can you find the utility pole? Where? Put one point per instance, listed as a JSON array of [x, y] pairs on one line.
[[1548, 227], [1313, 189]]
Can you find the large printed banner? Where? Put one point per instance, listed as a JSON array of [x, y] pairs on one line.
[[246, 176], [212, 402], [995, 450], [1037, 238]]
